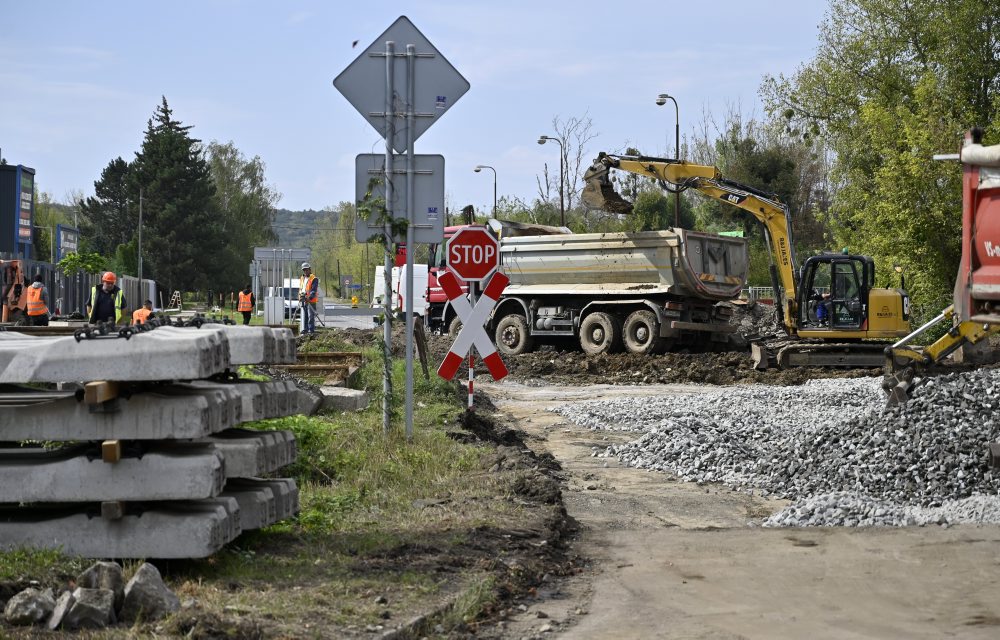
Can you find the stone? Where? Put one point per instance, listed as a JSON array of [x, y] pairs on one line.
[[91, 609], [343, 399], [147, 598], [63, 604], [104, 575], [30, 606]]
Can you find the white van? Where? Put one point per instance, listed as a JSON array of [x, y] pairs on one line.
[[289, 293], [399, 276]]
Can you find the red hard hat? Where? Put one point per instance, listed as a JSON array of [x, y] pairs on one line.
[[109, 277]]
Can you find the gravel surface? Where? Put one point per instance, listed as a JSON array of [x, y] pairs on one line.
[[827, 445]]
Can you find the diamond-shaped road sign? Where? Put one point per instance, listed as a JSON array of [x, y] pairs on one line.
[[438, 85], [428, 195]]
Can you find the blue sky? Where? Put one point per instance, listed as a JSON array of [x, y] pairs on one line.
[[79, 80]]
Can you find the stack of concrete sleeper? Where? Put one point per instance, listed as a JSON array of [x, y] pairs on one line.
[[153, 463]]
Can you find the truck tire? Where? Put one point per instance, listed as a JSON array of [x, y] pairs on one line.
[[642, 333], [600, 333], [454, 327], [512, 337]]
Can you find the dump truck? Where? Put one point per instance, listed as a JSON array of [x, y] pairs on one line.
[[644, 292]]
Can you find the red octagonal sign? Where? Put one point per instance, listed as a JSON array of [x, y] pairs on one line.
[[473, 254]]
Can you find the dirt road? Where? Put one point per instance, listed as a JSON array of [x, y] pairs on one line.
[[676, 560]]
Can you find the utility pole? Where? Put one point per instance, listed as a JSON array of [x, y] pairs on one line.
[[140, 238]]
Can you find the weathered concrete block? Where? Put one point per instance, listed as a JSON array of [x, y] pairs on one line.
[[257, 504], [153, 355], [343, 399], [249, 453], [147, 598], [309, 402], [30, 606], [165, 471], [104, 575], [189, 529], [164, 412]]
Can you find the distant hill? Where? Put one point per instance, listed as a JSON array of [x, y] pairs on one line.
[[298, 228]]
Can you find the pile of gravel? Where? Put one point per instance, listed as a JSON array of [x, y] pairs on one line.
[[829, 445]]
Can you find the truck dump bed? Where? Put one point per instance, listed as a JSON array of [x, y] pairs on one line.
[[678, 262]]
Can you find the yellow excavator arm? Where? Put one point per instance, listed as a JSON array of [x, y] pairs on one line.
[[676, 175]]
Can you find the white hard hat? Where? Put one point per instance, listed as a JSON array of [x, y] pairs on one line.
[[305, 265]]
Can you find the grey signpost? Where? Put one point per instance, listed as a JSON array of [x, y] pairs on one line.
[[431, 87]]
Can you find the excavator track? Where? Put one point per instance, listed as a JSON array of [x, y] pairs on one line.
[[787, 353]]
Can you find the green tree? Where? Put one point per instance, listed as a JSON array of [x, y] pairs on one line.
[[106, 219], [182, 227], [891, 84], [246, 205]]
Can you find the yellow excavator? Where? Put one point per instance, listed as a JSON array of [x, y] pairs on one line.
[[830, 309]]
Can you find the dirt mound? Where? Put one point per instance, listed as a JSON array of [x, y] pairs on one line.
[[754, 320]]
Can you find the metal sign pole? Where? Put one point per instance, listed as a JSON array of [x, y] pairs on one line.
[[387, 302], [411, 61]]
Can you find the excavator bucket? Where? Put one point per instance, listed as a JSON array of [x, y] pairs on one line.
[[599, 192]]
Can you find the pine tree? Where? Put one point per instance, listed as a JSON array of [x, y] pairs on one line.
[[182, 237], [106, 219]]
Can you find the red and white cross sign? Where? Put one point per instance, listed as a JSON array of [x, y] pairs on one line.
[[473, 319]]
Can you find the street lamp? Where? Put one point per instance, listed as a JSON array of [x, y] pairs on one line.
[[660, 101], [562, 206], [480, 167]]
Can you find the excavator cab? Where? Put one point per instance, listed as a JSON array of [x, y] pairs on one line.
[[835, 291]]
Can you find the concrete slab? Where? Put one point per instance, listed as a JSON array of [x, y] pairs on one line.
[[162, 530], [286, 494], [171, 471], [249, 453], [152, 355], [248, 345], [162, 412], [343, 399], [257, 505]]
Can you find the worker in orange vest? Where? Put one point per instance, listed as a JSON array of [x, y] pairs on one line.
[[308, 297], [246, 304], [143, 313], [38, 303]]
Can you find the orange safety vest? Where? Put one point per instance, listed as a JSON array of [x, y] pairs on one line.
[[306, 287], [245, 304], [139, 315], [35, 305]]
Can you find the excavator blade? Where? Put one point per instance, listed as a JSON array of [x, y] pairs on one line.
[[599, 193]]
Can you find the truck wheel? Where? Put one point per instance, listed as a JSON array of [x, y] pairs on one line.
[[642, 333], [600, 333], [454, 327], [512, 337]]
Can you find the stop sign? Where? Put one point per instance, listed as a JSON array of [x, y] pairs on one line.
[[472, 254]]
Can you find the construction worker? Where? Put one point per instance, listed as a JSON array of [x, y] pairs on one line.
[[38, 303], [107, 302], [143, 313], [308, 297], [247, 303]]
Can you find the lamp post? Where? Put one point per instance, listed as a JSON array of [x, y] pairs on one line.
[[562, 206], [660, 101], [480, 167]]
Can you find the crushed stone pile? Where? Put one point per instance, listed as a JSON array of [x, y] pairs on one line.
[[830, 446]]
